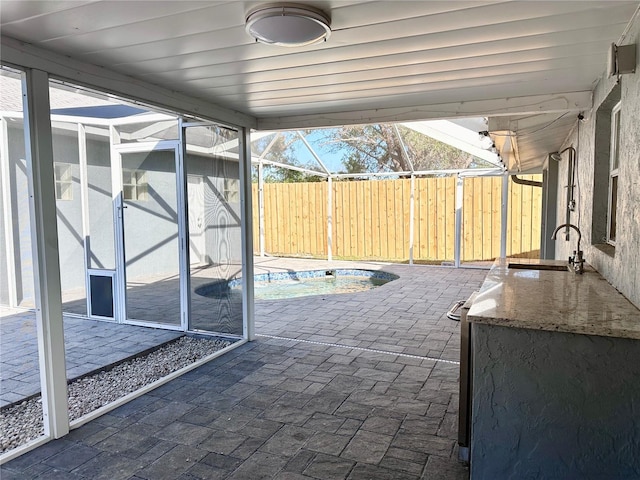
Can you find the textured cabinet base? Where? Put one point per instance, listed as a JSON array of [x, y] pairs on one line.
[[554, 405]]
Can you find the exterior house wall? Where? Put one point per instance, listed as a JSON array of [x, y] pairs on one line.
[[221, 215], [65, 149], [69, 212], [101, 225], [4, 273], [151, 227], [619, 265], [18, 210]]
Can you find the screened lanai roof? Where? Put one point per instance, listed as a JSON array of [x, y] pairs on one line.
[[382, 149]]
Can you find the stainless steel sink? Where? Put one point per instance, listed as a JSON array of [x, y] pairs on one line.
[[534, 266]]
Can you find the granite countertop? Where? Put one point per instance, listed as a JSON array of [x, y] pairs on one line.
[[557, 301]]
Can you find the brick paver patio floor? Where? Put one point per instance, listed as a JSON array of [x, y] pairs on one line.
[[89, 345], [352, 386]]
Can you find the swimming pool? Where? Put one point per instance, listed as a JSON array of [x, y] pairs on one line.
[[280, 285]]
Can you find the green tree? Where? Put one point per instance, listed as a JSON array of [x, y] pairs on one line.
[[368, 148], [377, 148], [283, 175]]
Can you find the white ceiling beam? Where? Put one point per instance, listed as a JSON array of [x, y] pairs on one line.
[[20, 54], [456, 136], [526, 105]]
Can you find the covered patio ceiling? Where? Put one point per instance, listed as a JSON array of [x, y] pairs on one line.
[[530, 67]]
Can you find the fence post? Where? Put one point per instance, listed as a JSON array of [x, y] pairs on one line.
[[329, 219], [411, 213], [503, 216], [261, 207], [458, 225]]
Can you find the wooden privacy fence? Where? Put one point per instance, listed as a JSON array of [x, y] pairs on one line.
[[371, 219]]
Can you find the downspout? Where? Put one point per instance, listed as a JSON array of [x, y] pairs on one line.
[[522, 181], [504, 211]]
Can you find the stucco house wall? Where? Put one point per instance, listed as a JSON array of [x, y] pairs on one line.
[[151, 226], [18, 213], [69, 212], [221, 213], [620, 265]]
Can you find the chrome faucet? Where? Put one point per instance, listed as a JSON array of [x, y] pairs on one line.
[[576, 260]]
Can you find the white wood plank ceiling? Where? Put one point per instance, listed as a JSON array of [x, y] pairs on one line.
[[384, 61]]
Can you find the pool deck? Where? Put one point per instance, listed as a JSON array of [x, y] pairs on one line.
[[352, 386], [401, 308]]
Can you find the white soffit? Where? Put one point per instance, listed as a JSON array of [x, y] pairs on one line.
[[524, 141]]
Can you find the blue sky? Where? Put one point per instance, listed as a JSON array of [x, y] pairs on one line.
[[333, 160]]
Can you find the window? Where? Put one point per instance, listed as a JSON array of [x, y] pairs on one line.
[[613, 175], [605, 172], [134, 185], [231, 190], [64, 181]]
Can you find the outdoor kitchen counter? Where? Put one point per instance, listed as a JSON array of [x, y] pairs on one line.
[[556, 301], [554, 377]]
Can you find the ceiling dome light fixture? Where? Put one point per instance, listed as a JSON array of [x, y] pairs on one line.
[[288, 25]]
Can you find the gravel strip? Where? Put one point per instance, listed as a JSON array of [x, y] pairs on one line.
[[23, 422]]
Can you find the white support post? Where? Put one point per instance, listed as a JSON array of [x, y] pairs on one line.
[[458, 226], [261, 206], [412, 201], [7, 215], [44, 240], [183, 228], [248, 307], [329, 219], [503, 216], [120, 281], [84, 206]]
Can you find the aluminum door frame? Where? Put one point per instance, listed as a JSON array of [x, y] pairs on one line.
[[120, 298]]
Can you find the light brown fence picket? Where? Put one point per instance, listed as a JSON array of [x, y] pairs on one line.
[[371, 218]]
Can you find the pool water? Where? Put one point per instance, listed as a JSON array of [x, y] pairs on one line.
[[290, 284], [314, 286]]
